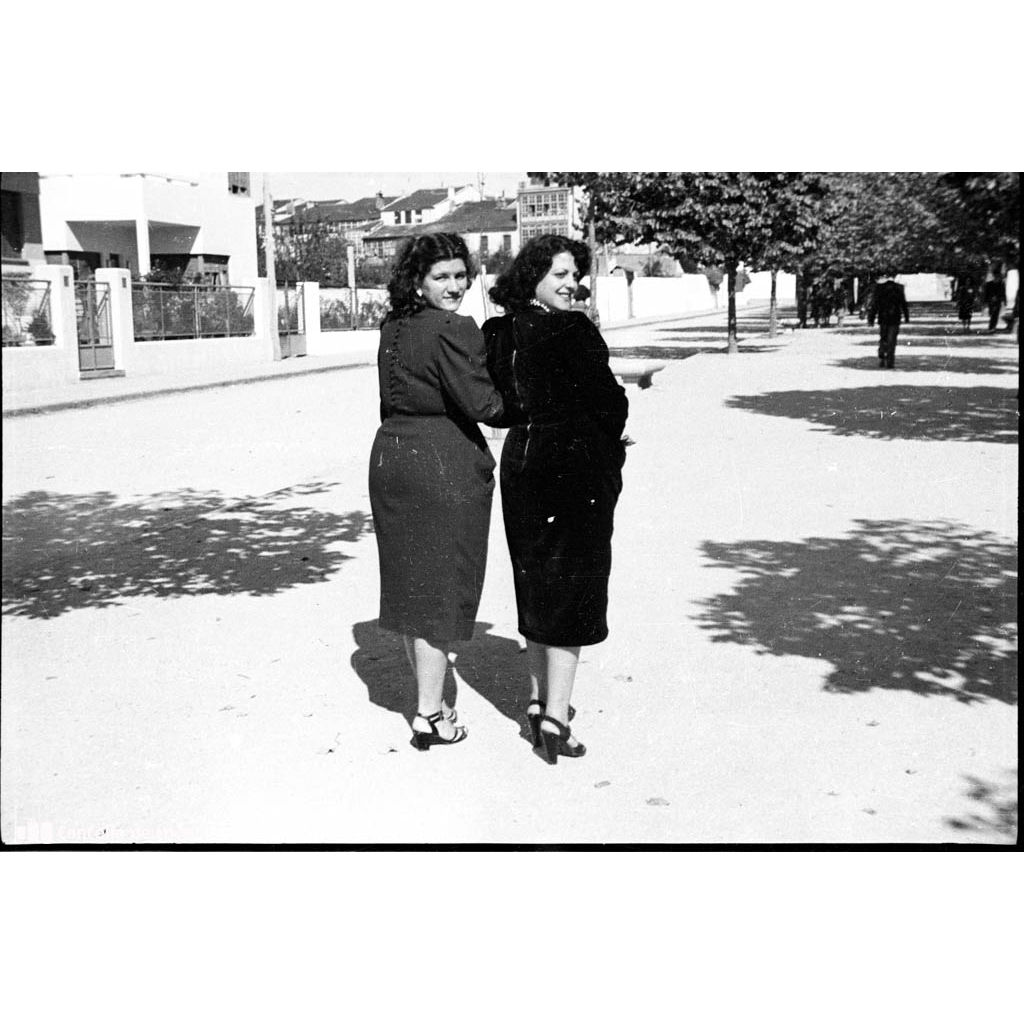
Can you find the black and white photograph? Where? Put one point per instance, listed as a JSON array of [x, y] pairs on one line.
[[654, 492], [398, 555]]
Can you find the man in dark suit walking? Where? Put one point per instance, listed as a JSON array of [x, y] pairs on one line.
[[888, 304], [995, 299]]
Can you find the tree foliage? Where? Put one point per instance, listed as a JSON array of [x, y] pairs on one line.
[[318, 254], [920, 222], [761, 219], [823, 226]]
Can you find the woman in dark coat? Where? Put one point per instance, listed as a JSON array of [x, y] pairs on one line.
[[966, 294], [431, 473], [560, 471]]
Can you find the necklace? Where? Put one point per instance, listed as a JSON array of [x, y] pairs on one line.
[[540, 305]]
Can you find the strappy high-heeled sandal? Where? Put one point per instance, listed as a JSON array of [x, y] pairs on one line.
[[423, 740], [556, 743], [533, 719]]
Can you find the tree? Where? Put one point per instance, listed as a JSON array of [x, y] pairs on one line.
[[795, 212], [714, 218], [919, 223], [984, 211]]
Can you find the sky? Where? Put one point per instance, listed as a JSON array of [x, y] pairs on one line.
[[353, 185]]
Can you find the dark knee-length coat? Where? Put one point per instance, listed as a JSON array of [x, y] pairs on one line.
[[560, 469], [431, 474]]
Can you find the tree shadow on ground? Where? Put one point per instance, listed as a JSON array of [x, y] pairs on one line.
[[939, 362], [666, 352], [712, 332], [897, 412], [654, 352], [936, 320], [996, 807], [951, 342], [68, 551], [493, 666], [927, 607]]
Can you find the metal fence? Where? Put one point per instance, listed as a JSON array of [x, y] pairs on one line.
[[290, 315], [27, 315], [163, 312], [336, 309]]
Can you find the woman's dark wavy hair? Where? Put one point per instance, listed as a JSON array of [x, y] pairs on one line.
[[514, 289], [413, 262]]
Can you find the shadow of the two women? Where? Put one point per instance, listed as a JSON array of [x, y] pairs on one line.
[[493, 666]]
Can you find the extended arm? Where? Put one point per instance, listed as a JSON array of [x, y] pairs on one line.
[[602, 395], [462, 368]]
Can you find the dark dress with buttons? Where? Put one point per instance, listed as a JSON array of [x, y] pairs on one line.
[[561, 470], [431, 474]]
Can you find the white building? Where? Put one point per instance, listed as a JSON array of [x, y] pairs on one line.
[[548, 209], [201, 224], [427, 204]]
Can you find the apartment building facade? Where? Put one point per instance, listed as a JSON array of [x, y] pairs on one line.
[[199, 225]]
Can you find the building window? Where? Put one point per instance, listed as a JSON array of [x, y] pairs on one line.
[[506, 243], [545, 204], [238, 183], [485, 244], [10, 218]]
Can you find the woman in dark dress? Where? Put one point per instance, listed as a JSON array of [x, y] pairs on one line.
[[560, 471], [965, 296], [431, 473]]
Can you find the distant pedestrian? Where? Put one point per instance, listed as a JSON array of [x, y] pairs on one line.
[[582, 304], [841, 302], [966, 294], [821, 302], [888, 305], [561, 472], [802, 300], [431, 472], [995, 299], [866, 297]]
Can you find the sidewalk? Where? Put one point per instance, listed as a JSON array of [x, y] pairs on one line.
[[104, 390], [812, 614], [122, 389]]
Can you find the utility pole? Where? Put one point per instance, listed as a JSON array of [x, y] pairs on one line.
[[353, 312], [268, 252], [480, 252], [595, 260]]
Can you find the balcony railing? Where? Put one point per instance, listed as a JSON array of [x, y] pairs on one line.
[[165, 312], [27, 316]]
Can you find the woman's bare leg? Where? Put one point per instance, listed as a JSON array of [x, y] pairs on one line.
[[537, 663], [561, 674], [430, 663]]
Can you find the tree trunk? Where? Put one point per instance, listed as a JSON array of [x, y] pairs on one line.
[[594, 259], [773, 312], [730, 269]]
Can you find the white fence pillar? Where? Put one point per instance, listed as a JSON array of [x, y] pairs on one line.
[[142, 243], [122, 326], [311, 311], [62, 314], [264, 329]]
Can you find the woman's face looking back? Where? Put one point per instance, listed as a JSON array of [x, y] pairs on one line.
[[445, 284], [557, 288]]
